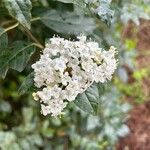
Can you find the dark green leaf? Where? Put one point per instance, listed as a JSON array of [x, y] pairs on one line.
[[3, 70], [22, 53], [20, 10], [3, 40], [16, 57], [3, 46], [68, 22], [27, 84], [90, 100]]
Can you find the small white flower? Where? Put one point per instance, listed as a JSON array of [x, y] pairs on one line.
[[82, 38], [67, 68], [59, 64], [56, 91], [45, 110], [65, 79]]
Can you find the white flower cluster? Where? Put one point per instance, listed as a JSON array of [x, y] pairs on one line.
[[67, 68]]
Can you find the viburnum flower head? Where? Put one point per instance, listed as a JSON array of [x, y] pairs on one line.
[[67, 68]]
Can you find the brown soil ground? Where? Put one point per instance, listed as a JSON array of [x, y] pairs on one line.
[[139, 121]]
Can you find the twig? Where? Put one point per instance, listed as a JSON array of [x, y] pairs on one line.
[[35, 19], [33, 38], [37, 43], [9, 28], [7, 22]]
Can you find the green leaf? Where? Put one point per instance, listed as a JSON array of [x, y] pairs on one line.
[[27, 84], [27, 118], [22, 53], [92, 122], [68, 22], [16, 57], [5, 106], [20, 10], [90, 100], [3, 69], [35, 139], [105, 12], [3, 40], [3, 46]]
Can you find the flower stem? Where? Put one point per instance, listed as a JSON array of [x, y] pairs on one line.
[[34, 39], [35, 19], [37, 43]]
